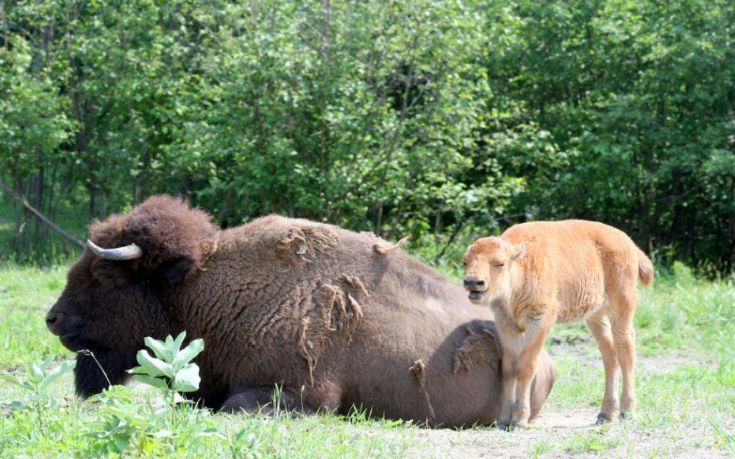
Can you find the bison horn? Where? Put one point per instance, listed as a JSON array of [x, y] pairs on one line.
[[128, 252]]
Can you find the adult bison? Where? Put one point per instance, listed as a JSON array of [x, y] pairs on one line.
[[335, 317]]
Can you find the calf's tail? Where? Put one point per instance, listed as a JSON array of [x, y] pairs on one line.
[[645, 268]]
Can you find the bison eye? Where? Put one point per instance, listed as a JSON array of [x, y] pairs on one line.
[[498, 265]]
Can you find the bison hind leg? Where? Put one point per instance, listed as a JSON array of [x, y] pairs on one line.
[[265, 400]]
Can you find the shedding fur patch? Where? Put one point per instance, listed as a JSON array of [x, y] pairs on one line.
[[355, 283], [354, 315], [477, 349], [300, 243], [340, 311], [335, 312], [311, 344], [418, 370], [294, 242], [385, 247], [329, 301]]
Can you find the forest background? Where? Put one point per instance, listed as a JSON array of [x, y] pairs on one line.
[[443, 120]]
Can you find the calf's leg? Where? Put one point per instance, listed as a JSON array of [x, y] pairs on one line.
[[624, 338], [509, 389], [521, 353], [599, 325], [525, 370]]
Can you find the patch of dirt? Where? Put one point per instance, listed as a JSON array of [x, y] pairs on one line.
[[573, 432]]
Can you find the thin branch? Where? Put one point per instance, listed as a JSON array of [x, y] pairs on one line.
[[40, 216], [457, 229]]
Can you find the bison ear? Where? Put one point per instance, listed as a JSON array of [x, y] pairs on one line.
[[174, 271]]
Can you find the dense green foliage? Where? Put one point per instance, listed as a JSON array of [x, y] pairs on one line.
[[440, 119]]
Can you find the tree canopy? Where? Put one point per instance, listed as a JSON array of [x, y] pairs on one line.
[[425, 117]]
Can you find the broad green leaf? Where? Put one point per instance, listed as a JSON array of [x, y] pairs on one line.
[[15, 404], [120, 443], [46, 363], [35, 375], [12, 380], [153, 366], [187, 380], [154, 382], [159, 349], [180, 340], [57, 372], [187, 354]]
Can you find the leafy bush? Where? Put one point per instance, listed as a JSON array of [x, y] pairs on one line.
[[124, 423], [170, 370], [36, 385], [396, 117]]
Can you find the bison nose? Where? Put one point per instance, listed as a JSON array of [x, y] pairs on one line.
[[474, 284], [54, 321]]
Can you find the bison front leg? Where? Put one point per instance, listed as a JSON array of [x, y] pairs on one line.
[[265, 400]]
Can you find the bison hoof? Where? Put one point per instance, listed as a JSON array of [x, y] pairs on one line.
[[504, 425]]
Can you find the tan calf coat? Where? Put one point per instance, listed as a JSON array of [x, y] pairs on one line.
[[539, 273]]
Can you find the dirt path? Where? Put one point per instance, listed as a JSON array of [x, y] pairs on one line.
[[556, 434], [571, 432]]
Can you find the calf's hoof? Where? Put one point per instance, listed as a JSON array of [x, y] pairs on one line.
[[518, 424], [627, 415], [603, 418], [503, 424]]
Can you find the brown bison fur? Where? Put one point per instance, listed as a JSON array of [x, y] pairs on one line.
[[310, 307], [539, 273]]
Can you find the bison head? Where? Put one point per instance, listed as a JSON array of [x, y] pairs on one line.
[[116, 296]]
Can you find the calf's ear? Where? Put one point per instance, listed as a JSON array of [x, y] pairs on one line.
[[518, 251]]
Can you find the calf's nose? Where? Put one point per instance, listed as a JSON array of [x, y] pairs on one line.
[[472, 283]]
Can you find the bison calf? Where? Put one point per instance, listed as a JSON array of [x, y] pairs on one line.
[[539, 273]]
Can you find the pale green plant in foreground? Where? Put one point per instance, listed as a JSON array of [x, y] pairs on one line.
[[36, 386], [125, 422], [171, 369]]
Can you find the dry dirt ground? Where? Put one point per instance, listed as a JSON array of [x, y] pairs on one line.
[[564, 433]]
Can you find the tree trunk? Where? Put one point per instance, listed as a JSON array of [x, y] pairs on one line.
[[139, 187]]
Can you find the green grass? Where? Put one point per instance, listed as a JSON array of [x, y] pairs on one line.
[[592, 441], [26, 294], [199, 433], [685, 383]]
